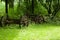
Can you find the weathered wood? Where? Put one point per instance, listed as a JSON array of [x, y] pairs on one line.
[[22, 21]]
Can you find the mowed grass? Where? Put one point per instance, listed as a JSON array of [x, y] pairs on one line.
[[39, 32], [8, 34], [33, 32]]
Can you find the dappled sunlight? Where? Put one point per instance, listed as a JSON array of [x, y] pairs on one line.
[[39, 34]]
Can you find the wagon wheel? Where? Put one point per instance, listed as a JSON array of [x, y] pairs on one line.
[[3, 21]]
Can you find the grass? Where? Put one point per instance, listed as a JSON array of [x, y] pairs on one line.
[[8, 34], [39, 32], [33, 32]]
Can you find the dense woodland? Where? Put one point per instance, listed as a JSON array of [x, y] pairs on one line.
[[24, 12]]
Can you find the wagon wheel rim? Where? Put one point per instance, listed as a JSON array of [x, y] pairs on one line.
[[3, 21]]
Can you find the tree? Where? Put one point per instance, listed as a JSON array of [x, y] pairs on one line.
[[33, 6], [6, 8], [52, 6], [11, 3], [56, 8]]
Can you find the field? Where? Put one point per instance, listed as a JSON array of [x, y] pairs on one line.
[[33, 32]]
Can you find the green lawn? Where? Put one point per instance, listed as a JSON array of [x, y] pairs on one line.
[[33, 32]]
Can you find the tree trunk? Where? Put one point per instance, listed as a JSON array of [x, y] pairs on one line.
[[19, 3], [58, 2], [32, 6], [27, 7], [6, 8], [49, 9], [11, 3]]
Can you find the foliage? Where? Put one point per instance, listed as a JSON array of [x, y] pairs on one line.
[[40, 7]]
